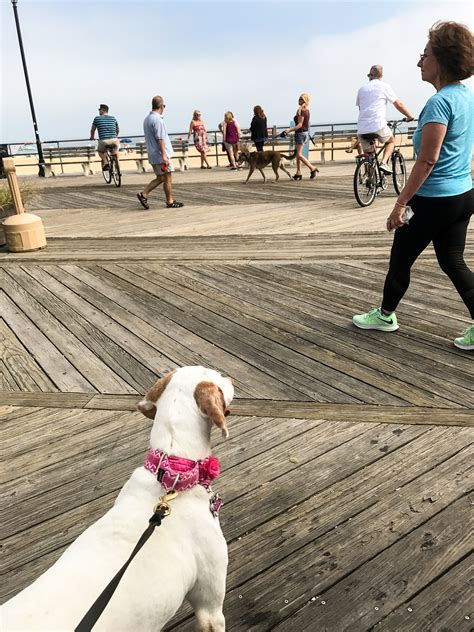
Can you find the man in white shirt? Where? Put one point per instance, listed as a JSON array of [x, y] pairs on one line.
[[372, 102]]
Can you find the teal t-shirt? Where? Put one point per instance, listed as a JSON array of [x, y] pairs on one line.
[[452, 106]]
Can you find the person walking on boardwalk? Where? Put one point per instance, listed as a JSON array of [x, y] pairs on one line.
[[439, 189], [160, 152], [231, 134], [301, 130], [198, 130], [372, 102], [108, 130], [258, 128]]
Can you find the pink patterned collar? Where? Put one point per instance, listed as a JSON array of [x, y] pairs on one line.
[[174, 472]]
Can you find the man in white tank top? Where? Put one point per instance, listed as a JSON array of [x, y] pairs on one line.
[[372, 102]]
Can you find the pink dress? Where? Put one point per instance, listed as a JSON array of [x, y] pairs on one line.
[[200, 137]]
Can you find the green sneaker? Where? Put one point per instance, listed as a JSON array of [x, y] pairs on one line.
[[375, 319], [466, 340]]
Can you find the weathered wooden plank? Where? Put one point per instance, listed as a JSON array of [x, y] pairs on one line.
[[340, 292], [19, 368], [154, 348], [50, 400], [243, 371], [134, 438], [355, 291], [65, 528], [43, 423], [359, 502], [361, 413], [446, 604], [110, 318], [317, 466], [374, 590], [274, 247], [357, 412], [57, 425], [291, 367], [65, 448], [285, 533], [19, 416], [61, 372], [98, 358], [366, 367], [240, 344], [373, 540], [48, 534], [98, 478], [297, 305], [6, 412], [7, 383], [67, 487]]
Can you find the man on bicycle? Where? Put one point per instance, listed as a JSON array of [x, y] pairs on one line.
[[372, 102], [108, 130]]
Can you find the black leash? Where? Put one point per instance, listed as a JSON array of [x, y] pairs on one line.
[[161, 510]]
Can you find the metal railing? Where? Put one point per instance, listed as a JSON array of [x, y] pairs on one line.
[[328, 139]]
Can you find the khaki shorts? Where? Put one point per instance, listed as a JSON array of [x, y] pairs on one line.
[[112, 143], [157, 168], [232, 146], [383, 135]]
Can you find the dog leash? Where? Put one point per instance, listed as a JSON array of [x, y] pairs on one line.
[[160, 511]]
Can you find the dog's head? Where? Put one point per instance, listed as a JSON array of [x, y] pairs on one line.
[[190, 389], [244, 154]]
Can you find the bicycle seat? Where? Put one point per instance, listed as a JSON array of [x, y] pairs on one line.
[[369, 137]]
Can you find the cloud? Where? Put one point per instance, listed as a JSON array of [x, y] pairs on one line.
[[72, 71]]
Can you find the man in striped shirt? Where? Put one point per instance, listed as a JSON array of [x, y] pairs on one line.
[[108, 129]]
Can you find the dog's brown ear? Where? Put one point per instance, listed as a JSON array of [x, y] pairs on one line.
[[148, 404], [211, 402]]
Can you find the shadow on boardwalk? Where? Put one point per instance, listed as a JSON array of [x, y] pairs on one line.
[[346, 477]]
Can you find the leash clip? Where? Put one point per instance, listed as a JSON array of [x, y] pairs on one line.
[[163, 503]]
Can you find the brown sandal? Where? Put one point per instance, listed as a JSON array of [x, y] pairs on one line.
[[174, 204]]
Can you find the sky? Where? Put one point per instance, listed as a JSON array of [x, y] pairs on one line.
[[212, 56]]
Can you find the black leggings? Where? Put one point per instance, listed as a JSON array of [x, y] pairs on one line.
[[259, 144], [443, 221]]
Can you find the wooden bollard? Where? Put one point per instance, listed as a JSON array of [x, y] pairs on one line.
[[24, 231]]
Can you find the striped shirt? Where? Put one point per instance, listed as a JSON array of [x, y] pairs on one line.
[[106, 126]]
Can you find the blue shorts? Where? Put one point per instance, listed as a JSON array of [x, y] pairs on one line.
[[301, 138]]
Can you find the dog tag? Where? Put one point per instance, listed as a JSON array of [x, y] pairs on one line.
[[215, 504]]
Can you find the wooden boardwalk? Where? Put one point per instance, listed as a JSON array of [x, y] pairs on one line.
[[348, 473]]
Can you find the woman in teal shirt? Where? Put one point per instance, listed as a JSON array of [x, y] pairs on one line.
[[439, 189]]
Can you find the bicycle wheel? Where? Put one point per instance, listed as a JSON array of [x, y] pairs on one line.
[[399, 171], [365, 182], [107, 173], [114, 170]]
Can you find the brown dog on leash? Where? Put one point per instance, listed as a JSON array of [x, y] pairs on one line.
[[260, 159]]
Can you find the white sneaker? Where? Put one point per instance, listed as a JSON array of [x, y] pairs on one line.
[[385, 168]]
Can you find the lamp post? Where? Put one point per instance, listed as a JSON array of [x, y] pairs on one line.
[[41, 165]]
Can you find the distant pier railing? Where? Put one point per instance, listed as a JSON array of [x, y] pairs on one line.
[[328, 141]]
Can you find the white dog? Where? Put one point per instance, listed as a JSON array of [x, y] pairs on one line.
[[185, 557]]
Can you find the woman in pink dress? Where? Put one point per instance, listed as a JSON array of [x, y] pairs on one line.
[[198, 130]]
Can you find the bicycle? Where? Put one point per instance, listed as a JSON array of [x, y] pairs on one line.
[[113, 171], [369, 179]]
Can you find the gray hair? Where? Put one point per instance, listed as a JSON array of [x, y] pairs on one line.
[[376, 71]]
